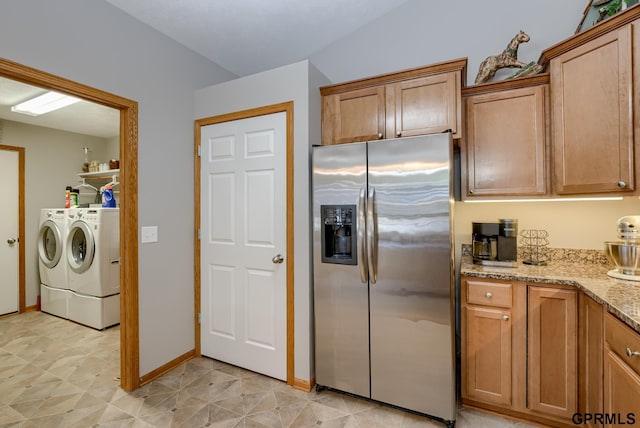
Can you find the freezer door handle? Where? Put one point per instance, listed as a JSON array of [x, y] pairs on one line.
[[372, 235], [362, 227]]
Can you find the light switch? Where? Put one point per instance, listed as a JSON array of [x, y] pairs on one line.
[[149, 234]]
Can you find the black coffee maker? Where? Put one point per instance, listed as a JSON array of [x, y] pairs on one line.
[[495, 244]]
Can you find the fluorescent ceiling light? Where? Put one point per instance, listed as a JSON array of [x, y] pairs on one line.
[[44, 103], [615, 198]]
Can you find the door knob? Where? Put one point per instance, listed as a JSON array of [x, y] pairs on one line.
[[277, 259], [11, 241]]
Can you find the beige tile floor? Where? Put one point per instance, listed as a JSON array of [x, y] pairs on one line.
[[54, 373]]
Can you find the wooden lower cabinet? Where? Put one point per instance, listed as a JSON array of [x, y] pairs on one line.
[[621, 373], [621, 390], [520, 355], [552, 382], [590, 364], [488, 356]]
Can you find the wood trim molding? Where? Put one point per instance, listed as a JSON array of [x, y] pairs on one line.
[[21, 233], [286, 107], [165, 368], [196, 238], [503, 85], [304, 385], [383, 79], [129, 327], [32, 308]]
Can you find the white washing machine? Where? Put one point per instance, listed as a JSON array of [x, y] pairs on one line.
[[93, 266], [52, 257]]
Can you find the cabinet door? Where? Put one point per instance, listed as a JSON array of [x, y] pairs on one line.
[[591, 330], [425, 105], [591, 91], [505, 142], [353, 116], [486, 360], [552, 351], [621, 390]]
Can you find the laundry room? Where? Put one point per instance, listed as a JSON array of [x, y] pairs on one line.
[[70, 171]]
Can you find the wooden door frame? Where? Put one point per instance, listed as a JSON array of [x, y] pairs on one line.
[[286, 107], [21, 238], [129, 324]]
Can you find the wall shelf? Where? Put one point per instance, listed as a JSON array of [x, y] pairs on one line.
[[99, 175]]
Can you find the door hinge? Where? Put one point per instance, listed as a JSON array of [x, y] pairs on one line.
[[199, 150], [199, 233], [199, 317]]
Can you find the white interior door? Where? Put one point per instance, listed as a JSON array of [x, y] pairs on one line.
[[9, 226], [243, 243]]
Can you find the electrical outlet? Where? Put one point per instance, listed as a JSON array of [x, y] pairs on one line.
[[149, 234]]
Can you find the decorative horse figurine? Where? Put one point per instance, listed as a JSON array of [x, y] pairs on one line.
[[508, 58]]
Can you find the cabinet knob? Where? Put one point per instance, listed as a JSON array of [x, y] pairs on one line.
[[380, 135], [631, 353], [399, 134], [505, 317], [488, 295], [622, 184]]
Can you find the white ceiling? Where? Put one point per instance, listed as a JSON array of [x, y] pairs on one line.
[[242, 36], [249, 36], [83, 117]]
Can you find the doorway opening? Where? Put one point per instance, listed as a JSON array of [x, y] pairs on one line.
[[287, 108], [128, 176]]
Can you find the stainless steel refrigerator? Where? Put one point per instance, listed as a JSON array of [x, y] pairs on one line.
[[383, 272]]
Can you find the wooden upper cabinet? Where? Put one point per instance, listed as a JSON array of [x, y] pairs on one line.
[[423, 106], [353, 116], [418, 101], [592, 106], [505, 147]]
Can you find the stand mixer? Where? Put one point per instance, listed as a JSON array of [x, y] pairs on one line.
[[625, 254]]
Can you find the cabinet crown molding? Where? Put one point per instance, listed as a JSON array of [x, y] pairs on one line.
[[429, 70], [619, 20], [503, 85]]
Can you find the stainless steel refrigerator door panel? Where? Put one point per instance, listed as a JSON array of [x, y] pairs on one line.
[[410, 304], [341, 298]]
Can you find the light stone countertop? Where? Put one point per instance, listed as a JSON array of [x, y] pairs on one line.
[[620, 297]]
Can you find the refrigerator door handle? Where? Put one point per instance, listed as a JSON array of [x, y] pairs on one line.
[[362, 227], [372, 232]]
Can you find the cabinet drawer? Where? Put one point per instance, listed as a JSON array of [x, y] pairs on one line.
[[621, 338], [489, 293]]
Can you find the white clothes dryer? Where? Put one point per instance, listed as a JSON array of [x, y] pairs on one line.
[[93, 262], [52, 261]]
